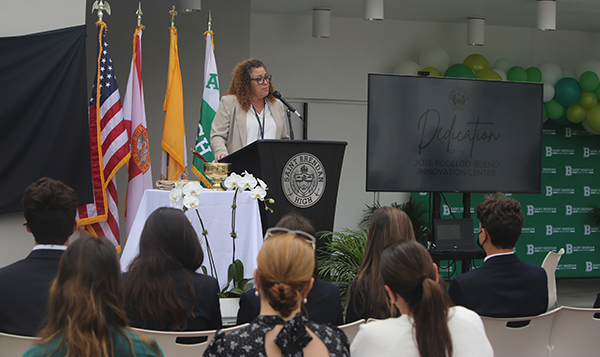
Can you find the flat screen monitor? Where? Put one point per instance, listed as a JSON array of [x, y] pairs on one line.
[[436, 134]]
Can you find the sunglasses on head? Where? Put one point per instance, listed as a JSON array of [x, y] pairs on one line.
[[274, 231]]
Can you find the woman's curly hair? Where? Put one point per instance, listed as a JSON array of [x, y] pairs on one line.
[[240, 83]]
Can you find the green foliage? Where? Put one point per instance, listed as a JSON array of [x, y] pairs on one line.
[[341, 257], [235, 277]]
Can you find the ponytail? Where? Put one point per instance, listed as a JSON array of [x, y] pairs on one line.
[[406, 268]]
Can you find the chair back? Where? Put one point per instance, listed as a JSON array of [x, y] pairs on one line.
[[167, 342], [549, 264], [576, 332], [15, 345], [351, 329], [532, 340], [229, 330]]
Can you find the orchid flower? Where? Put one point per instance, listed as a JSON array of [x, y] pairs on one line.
[[175, 195], [258, 193], [190, 202], [248, 182], [262, 183], [192, 189], [232, 181]]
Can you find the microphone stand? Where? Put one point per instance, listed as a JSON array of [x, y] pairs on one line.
[[289, 118]]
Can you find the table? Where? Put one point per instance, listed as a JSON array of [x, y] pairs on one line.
[[215, 210], [464, 256]]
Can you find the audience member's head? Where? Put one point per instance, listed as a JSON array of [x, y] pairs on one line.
[[501, 219], [168, 242], [296, 222], [285, 267], [86, 307], [50, 208], [388, 225], [409, 272]]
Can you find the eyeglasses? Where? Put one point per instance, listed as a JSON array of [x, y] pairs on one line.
[[262, 79], [298, 234]]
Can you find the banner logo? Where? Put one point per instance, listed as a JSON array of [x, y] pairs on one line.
[[303, 180], [139, 148], [458, 99]]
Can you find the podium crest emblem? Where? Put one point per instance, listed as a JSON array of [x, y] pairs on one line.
[[303, 180]]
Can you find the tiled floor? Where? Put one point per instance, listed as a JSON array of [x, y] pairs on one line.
[[577, 292]]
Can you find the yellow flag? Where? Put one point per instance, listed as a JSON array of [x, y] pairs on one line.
[[173, 139]]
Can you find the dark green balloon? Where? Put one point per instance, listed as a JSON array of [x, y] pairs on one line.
[[517, 73], [567, 91], [459, 70], [533, 74], [589, 81]]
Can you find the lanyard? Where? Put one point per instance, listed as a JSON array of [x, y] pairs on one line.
[[261, 127]]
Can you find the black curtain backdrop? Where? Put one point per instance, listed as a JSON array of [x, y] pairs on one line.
[[43, 113]]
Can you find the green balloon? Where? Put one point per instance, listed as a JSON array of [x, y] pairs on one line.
[[433, 72], [567, 91], [554, 109], [516, 73], [575, 113], [534, 74], [589, 81], [563, 120], [597, 92], [477, 62], [488, 74], [459, 70], [588, 100]]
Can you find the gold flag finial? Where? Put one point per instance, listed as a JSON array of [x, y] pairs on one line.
[[101, 6], [173, 13], [139, 14]]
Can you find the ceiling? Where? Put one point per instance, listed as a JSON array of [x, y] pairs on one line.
[[572, 15]]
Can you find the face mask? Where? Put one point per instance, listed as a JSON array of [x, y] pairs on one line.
[[479, 244]]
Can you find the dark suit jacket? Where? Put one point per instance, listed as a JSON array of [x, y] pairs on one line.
[[24, 289], [323, 306], [504, 286]]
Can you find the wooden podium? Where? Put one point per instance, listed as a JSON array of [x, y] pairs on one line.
[[303, 177]]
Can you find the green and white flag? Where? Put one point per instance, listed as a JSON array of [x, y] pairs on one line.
[[210, 104]]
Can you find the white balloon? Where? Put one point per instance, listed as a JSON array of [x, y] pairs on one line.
[[435, 57], [588, 65], [587, 127], [545, 119], [551, 72], [408, 67], [501, 73], [569, 73], [502, 64], [548, 92]]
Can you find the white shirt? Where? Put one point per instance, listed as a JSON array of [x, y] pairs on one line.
[[396, 337], [253, 129], [50, 246]]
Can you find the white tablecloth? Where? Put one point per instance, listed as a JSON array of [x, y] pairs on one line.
[[215, 210]]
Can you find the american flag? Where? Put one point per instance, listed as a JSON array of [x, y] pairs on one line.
[[109, 144]]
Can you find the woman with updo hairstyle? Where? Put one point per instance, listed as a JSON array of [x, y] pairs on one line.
[[367, 297], [248, 111], [429, 325], [163, 290], [283, 279], [86, 307]]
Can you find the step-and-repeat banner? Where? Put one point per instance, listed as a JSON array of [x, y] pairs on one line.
[[559, 217]]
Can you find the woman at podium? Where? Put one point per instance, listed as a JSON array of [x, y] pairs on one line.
[[248, 111]]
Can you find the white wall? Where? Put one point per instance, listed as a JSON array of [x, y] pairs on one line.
[[330, 74]]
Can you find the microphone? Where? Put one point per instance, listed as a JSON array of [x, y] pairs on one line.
[[277, 95]]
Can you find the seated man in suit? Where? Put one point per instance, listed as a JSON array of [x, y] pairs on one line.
[[504, 286], [323, 300], [49, 207]]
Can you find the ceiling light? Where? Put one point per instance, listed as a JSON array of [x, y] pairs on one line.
[[321, 22], [373, 10], [546, 15], [475, 30]]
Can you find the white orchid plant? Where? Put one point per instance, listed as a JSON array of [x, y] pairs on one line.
[[186, 196], [258, 190]]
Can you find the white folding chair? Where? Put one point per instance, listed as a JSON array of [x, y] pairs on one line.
[[15, 345], [549, 264], [229, 330], [167, 342], [576, 332], [532, 340], [351, 329]]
